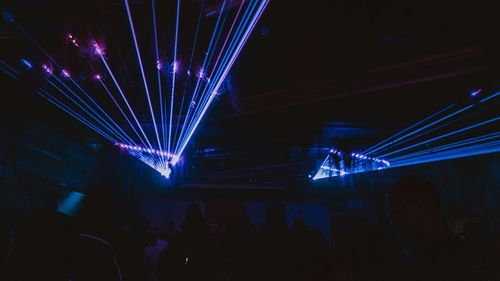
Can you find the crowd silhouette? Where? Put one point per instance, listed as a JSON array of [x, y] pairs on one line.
[[416, 245]]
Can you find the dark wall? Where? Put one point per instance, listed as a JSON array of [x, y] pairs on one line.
[[39, 167]]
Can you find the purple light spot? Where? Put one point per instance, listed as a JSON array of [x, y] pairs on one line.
[[47, 69], [201, 73], [98, 49], [65, 73]]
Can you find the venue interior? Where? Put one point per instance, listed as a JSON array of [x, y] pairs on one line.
[[249, 140]]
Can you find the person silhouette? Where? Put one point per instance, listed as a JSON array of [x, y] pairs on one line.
[[433, 252]]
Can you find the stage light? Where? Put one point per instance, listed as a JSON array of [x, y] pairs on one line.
[[143, 149], [73, 40], [27, 63], [475, 92], [201, 73], [471, 132], [97, 49], [47, 69], [175, 67], [335, 166], [65, 73], [218, 57]]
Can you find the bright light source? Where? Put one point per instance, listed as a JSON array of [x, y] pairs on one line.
[[201, 73], [27, 63], [47, 69], [97, 49], [475, 92], [65, 73]]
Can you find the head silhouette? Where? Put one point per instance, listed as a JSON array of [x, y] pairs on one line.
[[414, 207]]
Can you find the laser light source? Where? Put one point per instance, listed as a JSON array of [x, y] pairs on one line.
[[65, 73], [27, 63], [475, 92], [47, 69], [97, 48]]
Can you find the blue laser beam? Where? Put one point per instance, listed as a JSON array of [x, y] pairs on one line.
[[490, 97], [195, 41], [227, 62], [125, 100], [72, 113], [444, 136], [359, 164], [27, 63], [111, 126], [158, 74], [424, 127], [172, 95], [435, 140], [11, 69], [454, 145], [113, 123], [122, 111], [10, 74], [144, 81], [40, 47], [94, 116], [204, 96], [217, 62], [376, 147], [193, 97], [224, 73], [493, 147], [425, 130]]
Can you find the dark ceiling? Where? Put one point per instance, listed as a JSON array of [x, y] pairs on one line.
[[363, 64]]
